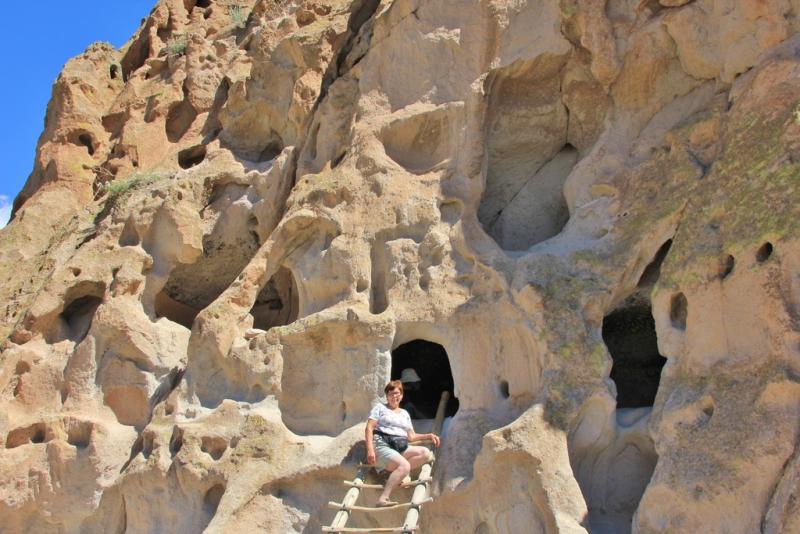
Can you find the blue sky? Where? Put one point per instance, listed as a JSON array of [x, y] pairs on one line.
[[36, 40]]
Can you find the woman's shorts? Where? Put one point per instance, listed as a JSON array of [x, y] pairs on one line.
[[383, 453]]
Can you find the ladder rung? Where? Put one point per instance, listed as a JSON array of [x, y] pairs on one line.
[[341, 506], [380, 486], [373, 465], [376, 529]]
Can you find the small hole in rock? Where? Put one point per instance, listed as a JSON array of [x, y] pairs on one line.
[[38, 436], [503, 388], [79, 433], [85, 139], [764, 252], [112, 71], [726, 266], [22, 368], [214, 446], [678, 311], [191, 156]]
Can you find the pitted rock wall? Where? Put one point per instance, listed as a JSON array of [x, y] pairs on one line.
[[235, 219]]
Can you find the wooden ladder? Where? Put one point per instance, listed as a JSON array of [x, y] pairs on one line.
[[419, 496]]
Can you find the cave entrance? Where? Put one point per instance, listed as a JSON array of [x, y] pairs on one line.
[[630, 335], [629, 332], [431, 366]]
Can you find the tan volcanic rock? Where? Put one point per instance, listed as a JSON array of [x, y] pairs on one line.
[[240, 222]]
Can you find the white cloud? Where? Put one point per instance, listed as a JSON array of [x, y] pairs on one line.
[[5, 210]]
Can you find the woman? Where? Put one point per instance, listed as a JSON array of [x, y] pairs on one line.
[[385, 423]]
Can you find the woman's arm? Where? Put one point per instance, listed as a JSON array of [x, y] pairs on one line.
[[413, 436], [371, 423]]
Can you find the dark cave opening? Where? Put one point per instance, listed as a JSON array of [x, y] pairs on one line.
[[190, 157], [85, 139], [630, 335], [629, 332], [432, 367], [277, 304], [764, 252]]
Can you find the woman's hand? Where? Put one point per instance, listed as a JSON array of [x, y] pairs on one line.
[[435, 439], [371, 456]]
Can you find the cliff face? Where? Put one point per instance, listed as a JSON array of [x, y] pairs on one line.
[[585, 214]]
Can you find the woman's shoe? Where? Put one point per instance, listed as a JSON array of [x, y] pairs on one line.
[[385, 504]]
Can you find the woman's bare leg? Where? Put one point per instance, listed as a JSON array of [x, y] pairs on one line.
[[399, 467], [417, 456]]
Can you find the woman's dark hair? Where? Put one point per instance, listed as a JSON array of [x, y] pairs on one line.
[[393, 385]]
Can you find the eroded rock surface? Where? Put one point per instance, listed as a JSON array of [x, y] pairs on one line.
[[237, 224]]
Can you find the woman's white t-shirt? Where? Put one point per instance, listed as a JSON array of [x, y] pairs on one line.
[[393, 423]]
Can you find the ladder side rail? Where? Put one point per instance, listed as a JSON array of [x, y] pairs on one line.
[[421, 492], [419, 496], [350, 498], [438, 421]]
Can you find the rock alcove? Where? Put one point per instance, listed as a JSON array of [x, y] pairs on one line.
[[629, 332]]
